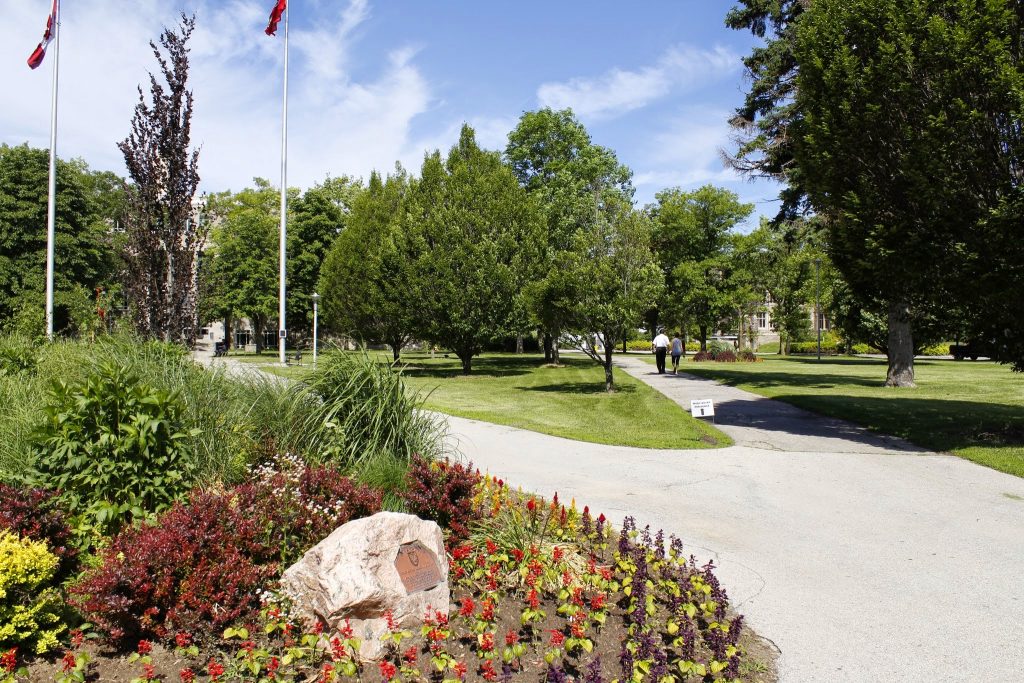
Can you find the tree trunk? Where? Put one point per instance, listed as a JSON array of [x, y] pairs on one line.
[[519, 343], [547, 347], [228, 341], [609, 383], [257, 330], [704, 338], [555, 358], [396, 351], [467, 362], [901, 346], [682, 333], [625, 346]]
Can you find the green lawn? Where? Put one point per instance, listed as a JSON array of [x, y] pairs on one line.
[[568, 401], [972, 409]]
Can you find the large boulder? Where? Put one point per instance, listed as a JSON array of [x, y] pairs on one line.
[[388, 562]]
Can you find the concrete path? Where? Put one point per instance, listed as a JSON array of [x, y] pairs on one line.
[[861, 557]]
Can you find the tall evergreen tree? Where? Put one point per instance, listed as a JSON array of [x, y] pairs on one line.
[[163, 235]]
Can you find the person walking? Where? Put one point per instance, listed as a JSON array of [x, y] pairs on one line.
[[677, 351], [660, 348]]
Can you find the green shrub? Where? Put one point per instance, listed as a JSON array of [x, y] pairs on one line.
[[864, 348], [368, 413], [940, 349], [114, 447], [645, 345], [16, 356], [30, 607], [716, 346]]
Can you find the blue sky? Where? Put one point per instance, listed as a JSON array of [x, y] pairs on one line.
[[374, 82]]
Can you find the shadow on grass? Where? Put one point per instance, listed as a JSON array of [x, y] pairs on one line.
[[931, 423], [580, 388], [446, 368], [771, 379]]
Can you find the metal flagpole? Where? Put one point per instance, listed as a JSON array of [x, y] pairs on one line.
[[282, 328], [51, 203]]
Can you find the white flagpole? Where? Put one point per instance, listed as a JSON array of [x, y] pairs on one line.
[[282, 328], [51, 203]]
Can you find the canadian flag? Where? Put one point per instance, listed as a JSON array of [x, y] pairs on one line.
[[275, 17], [36, 58]]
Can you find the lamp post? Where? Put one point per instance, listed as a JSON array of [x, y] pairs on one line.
[[817, 306], [316, 312]]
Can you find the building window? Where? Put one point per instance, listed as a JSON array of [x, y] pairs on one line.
[[762, 320], [242, 338]]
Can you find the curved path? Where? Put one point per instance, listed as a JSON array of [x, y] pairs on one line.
[[861, 557]]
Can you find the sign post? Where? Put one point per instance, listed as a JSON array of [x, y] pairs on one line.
[[703, 407]]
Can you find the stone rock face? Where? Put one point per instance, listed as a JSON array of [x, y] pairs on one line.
[[351, 574]]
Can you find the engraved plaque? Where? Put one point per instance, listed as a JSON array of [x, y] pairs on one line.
[[417, 567]]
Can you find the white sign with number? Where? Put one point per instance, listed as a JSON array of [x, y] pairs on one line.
[[704, 407]]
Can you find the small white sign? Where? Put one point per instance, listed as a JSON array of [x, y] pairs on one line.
[[704, 407]]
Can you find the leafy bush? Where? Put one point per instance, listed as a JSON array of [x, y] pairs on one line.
[[30, 607], [298, 506], [716, 346], [645, 345], [940, 349], [443, 492], [748, 356], [204, 562], [114, 447], [702, 356], [369, 412], [37, 514], [16, 356], [864, 349], [726, 356]]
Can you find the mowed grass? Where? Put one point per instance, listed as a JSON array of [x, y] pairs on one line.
[[972, 409], [567, 401]]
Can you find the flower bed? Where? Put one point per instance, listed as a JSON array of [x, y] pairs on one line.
[[541, 590]]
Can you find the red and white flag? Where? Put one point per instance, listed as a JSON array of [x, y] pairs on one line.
[[275, 17], [36, 58]]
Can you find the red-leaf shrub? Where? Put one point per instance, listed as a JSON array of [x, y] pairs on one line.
[[205, 562], [725, 357], [702, 356], [748, 356], [36, 514], [442, 491], [201, 565]]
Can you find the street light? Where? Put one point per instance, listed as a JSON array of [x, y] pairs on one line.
[[817, 307], [316, 311]]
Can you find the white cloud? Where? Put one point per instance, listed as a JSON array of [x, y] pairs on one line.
[[619, 91], [337, 122]]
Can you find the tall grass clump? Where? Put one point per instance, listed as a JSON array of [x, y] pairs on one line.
[[371, 416]]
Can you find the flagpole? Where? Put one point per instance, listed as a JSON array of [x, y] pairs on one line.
[[51, 203], [282, 328]]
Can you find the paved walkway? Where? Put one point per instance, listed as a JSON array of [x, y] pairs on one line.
[[861, 557]]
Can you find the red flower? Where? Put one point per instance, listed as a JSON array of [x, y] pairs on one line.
[[460, 670], [145, 647], [182, 639], [601, 518], [318, 628], [9, 660], [467, 608], [597, 602], [326, 674], [440, 617], [558, 553], [492, 547], [214, 669], [187, 675], [578, 630], [606, 573], [531, 505], [273, 665], [346, 630], [511, 638], [390, 618], [459, 572], [462, 552], [387, 670], [566, 578], [148, 672], [410, 655], [481, 561], [486, 642], [532, 599], [77, 638], [488, 672], [557, 638], [69, 661], [554, 501], [517, 554], [487, 610]]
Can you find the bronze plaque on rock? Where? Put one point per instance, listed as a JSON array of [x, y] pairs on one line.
[[417, 567]]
